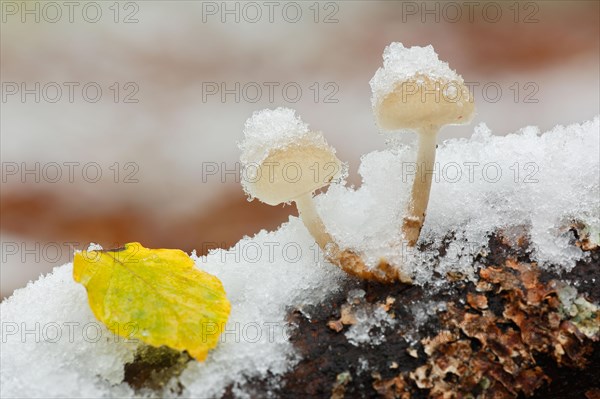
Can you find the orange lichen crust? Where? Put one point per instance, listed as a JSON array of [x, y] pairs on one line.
[[352, 263], [492, 354]]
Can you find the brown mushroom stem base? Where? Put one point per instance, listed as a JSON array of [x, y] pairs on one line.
[[417, 208], [353, 264], [347, 260]]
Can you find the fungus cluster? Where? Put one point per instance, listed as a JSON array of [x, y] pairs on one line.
[[282, 158], [488, 332]]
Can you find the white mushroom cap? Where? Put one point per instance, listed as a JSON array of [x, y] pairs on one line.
[[414, 88], [283, 160]]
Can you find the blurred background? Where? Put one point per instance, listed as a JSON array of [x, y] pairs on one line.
[[120, 120]]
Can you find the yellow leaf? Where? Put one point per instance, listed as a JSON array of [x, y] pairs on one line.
[[155, 295]]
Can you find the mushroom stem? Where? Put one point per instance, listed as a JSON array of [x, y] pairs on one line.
[[311, 219], [417, 208]]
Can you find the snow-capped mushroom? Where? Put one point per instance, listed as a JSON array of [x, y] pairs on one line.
[[416, 91], [284, 161]]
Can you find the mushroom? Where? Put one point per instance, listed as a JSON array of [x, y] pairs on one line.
[[416, 91], [284, 162]]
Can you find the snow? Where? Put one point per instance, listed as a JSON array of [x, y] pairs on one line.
[[263, 276], [370, 321], [269, 129], [94, 247], [480, 185], [541, 181], [421, 313], [53, 346], [403, 63]]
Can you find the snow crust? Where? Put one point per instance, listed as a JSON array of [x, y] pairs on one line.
[[403, 63], [269, 129], [53, 346], [541, 181]]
